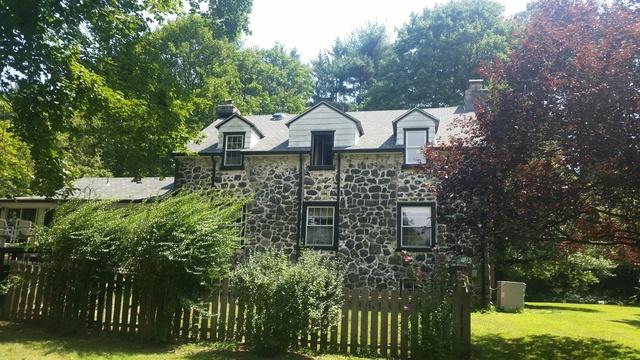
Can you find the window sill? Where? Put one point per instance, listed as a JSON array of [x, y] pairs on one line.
[[322, 167], [322, 247], [412, 166], [231, 167], [415, 249]]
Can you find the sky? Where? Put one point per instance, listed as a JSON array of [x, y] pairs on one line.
[[312, 26]]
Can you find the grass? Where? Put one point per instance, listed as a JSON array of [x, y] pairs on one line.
[[558, 331], [542, 331], [20, 341]]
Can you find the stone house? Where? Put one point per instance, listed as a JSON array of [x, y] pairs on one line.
[[344, 183]]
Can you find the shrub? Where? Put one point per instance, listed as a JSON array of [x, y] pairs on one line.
[[288, 298], [175, 250]]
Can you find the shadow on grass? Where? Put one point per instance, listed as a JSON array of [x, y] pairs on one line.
[[114, 346], [635, 323], [560, 308], [550, 347]]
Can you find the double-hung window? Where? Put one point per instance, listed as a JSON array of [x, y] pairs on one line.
[[322, 149], [319, 225], [233, 144], [414, 140], [416, 226]]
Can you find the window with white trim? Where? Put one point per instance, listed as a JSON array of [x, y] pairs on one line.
[[414, 141], [319, 226], [233, 144], [416, 226]]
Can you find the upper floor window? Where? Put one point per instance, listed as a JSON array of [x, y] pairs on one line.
[[322, 149], [233, 144], [414, 140], [416, 226], [319, 225]]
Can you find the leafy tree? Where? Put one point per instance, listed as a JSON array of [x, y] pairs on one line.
[[554, 155], [345, 74], [273, 80], [227, 18], [436, 53], [175, 250], [15, 160]]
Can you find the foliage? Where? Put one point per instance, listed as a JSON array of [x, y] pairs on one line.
[[289, 298], [175, 249], [553, 156], [15, 159], [227, 19], [437, 52], [551, 271], [345, 74], [11, 282]]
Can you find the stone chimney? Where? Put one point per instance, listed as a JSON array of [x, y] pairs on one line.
[[474, 94], [227, 109]]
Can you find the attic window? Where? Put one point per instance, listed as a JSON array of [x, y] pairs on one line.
[[322, 149], [414, 140], [233, 143]]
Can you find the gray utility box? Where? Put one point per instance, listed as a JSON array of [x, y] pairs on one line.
[[511, 296]]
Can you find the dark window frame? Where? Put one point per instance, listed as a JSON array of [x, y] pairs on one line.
[[399, 246], [330, 166], [224, 166], [308, 204], [404, 145]]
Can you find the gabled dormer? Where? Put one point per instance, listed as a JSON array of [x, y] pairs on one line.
[[323, 117], [236, 133], [413, 130]]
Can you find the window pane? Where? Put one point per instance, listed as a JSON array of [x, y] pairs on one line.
[[232, 158], [416, 216], [416, 137], [416, 236], [322, 151], [319, 235], [320, 216], [414, 156], [234, 142]]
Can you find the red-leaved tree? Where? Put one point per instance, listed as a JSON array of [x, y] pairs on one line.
[[554, 153]]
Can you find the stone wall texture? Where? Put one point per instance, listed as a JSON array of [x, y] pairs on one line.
[[370, 186]]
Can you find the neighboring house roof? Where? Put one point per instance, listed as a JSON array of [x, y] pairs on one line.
[[356, 121], [377, 126], [241, 118], [110, 188]]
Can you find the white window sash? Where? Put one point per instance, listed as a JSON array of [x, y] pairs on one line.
[[403, 226], [407, 160], [227, 150], [307, 225]]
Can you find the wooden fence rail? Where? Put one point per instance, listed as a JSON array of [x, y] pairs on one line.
[[379, 322]]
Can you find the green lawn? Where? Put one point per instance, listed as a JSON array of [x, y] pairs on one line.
[[558, 331], [545, 331], [27, 341]]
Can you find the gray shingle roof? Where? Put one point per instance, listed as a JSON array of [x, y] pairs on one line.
[[377, 126], [120, 188], [111, 188]]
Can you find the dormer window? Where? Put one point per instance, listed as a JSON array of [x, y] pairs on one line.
[[233, 144], [322, 149], [414, 140]]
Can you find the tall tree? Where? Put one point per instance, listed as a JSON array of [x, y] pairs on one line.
[[15, 159], [554, 155], [345, 74], [437, 51], [227, 18]]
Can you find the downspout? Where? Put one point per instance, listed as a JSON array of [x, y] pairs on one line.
[[300, 197], [337, 231], [213, 172]]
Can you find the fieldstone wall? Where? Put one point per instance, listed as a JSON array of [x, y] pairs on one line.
[[371, 185]]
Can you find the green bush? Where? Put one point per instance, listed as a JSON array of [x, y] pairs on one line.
[[289, 298], [175, 250]]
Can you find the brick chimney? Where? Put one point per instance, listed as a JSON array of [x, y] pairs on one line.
[[227, 109], [474, 94]]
